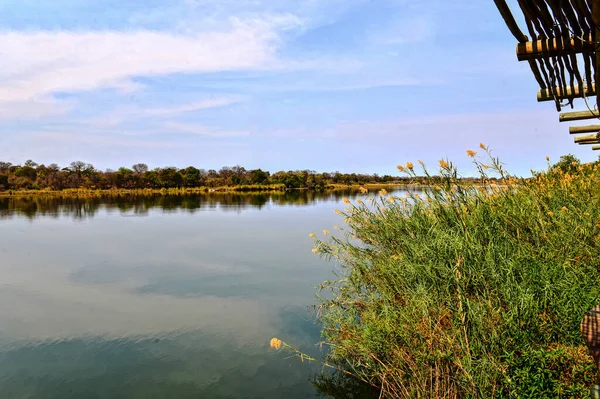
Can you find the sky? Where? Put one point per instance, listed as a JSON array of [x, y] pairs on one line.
[[326, 85]]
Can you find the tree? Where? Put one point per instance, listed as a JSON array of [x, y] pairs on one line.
[[4, 166], [567, 163], [140, 168], [258, 176], [191, 176]]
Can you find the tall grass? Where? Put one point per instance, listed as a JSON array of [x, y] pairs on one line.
[[468, 292]]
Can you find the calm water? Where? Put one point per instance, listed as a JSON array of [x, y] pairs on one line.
[[160, 297]]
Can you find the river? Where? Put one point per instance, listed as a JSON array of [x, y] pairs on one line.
[[161, 297]]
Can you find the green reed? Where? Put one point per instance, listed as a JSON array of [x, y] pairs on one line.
[[467, 291]]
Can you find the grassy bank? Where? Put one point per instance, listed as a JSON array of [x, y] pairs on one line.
[[468, 292], [254, 188], [82, 192]]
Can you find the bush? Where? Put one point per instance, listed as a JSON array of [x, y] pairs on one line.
[[468, 291]]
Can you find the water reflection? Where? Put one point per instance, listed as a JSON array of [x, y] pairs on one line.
[[180, 303], [140, 205], [337, 385]]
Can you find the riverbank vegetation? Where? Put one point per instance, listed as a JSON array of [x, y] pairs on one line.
[[467, 292], [83, 176]]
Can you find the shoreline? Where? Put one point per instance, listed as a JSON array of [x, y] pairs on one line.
[[91, 192]]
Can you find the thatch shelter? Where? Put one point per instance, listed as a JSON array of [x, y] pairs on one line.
[[561, 51]]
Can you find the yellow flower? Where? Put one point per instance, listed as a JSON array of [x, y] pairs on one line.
[[420, 162], [443, 163], [471, 153], [586, 214], [276, 343], [564, 209], [485, 166], [337, 211], [346, 201], [409, 165], [325, 231], [547, 158], [363, 190], [311, 235], [574, 163], [390, 199], [400, 168], [359, 202], [550, 213], [383, 191], [482, 146], [314, 250], [336, 227]]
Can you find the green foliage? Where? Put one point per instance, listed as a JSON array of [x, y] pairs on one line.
[[468, 292], [557, 371], [83, 175], [567, 163]]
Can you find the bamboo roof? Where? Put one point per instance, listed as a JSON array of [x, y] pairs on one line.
[[561, 52]]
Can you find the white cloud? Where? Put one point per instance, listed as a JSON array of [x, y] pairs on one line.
[[35, 64]]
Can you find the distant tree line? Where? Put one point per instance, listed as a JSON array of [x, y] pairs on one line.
[[79, 174]]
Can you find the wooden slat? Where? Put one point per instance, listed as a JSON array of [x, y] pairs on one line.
[[546, 94], [589, 142], [584, 129], [596, 147], [510, 21], [577, 116], [553, 47], [587, 137], [596, 19]]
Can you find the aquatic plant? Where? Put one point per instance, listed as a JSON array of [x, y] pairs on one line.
[[467, 291]]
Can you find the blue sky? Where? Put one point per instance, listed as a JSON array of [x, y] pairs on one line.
[[348, 85]]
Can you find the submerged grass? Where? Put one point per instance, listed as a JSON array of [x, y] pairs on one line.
[[468, 292]]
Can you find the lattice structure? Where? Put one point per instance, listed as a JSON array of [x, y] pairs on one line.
[[562, 54]]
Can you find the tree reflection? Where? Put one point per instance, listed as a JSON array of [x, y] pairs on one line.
[[85, 207]]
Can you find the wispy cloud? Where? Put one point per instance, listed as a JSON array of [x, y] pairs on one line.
[[35, 64], [33, 109], [202, 130]]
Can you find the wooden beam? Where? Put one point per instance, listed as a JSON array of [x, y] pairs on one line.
[[596, 34], [589, 142], [584, 129], [553, 47], [546, 94], [577, 116], [587, 137], [596, 147]]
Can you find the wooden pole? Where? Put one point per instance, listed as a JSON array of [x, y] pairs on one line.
[[553, 47], [577, 116], [596, 34], [510, 21], [587, 137], [546, 94], [584, 129], [589, 142]]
